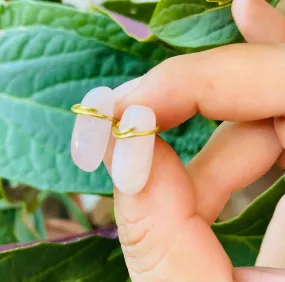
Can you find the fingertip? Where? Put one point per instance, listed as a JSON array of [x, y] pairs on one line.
[[258, 21]]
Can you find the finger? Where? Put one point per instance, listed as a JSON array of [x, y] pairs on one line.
[[258, 274], [261, 23], [235, 83], [258, 21], [236, 155], [158, 228], [247, 149], [272, 251], [243, 148]]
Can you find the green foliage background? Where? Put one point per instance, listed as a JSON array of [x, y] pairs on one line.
[[50, 56]]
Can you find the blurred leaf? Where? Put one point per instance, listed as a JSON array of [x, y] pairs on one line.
[[17, 225], [25, 230], [141, 11], [40, 223], [99, 259], [195, 25], [74, 211], [21, 194], [7, 221], [242, 236], [17, 205], [76, 259]]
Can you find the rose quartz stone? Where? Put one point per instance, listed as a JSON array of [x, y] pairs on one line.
[[132, 157], [91, 134]]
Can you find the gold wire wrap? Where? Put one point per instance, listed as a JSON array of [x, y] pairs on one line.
[[220, 2], [129, 133], [86, 111]]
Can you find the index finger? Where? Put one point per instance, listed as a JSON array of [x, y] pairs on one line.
[[240, 82], [258, 274]]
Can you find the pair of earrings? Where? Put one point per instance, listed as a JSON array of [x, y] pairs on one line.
[[134, 134]]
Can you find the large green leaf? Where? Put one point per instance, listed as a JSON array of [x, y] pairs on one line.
[[195, 24], [242, 236], [47, 71], [96, 25], [88, 259]]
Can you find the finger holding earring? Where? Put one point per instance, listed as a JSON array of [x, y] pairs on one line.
[[134, 134]]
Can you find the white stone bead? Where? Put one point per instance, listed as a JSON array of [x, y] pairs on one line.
[[91, 134], [132, 159]]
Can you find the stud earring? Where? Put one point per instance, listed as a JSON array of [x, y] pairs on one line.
[[92, 128], [133, 152]]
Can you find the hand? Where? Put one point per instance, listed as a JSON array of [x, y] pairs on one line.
[[165, 229]]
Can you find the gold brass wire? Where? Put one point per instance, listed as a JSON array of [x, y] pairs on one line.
[[128, 133], [219, 2], [86, 111]]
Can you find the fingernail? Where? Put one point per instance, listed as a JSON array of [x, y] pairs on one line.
[[257, 274], [126, 88], [91, 134], [132, 157], [271, 270]]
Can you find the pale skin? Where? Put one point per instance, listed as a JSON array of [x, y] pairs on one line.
[[165, 229]]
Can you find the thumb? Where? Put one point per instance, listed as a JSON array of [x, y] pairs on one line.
[[162, 237]]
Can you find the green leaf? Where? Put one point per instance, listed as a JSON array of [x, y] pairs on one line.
[[48, 67], [190, 137], [139, 11], [47, 71], [195, 25], [96, 25], [83, 260], [242, 236]]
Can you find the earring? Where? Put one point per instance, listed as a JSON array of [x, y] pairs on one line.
[[92, 128], [133, 152]]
